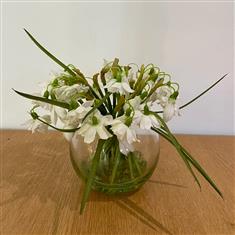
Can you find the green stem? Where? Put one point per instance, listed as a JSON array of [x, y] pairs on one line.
[[117, 156], [58, 129], [136, 164], [130, 166], [91, 174]]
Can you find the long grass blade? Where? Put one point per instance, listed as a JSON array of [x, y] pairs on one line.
[[201, 170], [45, 100], [201, 94], [191, 101], [189, 158], [181, 153], [91, 175], [66, 68]]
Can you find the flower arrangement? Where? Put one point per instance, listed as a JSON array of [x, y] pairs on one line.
[[110, 107]]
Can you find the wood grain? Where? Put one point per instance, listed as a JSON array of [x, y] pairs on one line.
[[40, 192]]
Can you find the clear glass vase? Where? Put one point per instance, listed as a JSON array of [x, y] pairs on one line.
[[116, 172]]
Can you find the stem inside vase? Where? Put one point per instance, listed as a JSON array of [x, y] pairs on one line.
[[115, 172]]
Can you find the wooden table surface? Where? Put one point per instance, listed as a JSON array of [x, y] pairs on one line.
[[40, 192]]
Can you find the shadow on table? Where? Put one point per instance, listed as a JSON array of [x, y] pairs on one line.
[[166, 183], [49, 178], [133, 209]]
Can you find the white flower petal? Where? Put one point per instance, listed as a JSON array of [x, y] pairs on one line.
[[125, 148], [145, 122], [83, 129], [168, 111], [126, 87], [89, 136], [130, 136], [103, 133]]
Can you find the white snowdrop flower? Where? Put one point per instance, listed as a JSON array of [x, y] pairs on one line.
[[171, 109], [163, 94], [108, 76], [95, 125], [65, 93], [125, 147], [57, 113], [153, 106], [37, 126], [145, 122], [126, 134], [74, 117], [123, 132], [122, 87], [134, 103]]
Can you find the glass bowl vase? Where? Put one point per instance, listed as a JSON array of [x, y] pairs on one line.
[[116, 173]]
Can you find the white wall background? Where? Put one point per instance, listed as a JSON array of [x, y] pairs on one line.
[[191, 41]]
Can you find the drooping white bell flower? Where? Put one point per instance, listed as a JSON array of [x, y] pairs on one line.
[[120, 85], [145, 122], [37, 126], [65, 93], [95, 124], [114, 86], [74, 117], [57, 113], [125, 134], [134, 103], [171, 109], [162, 95]]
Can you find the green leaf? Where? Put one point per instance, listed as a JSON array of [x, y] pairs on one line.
[[177, 146], [66, 68], [91, 174], [191, 101], [170, 137], [201, 170], [43, 99]]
